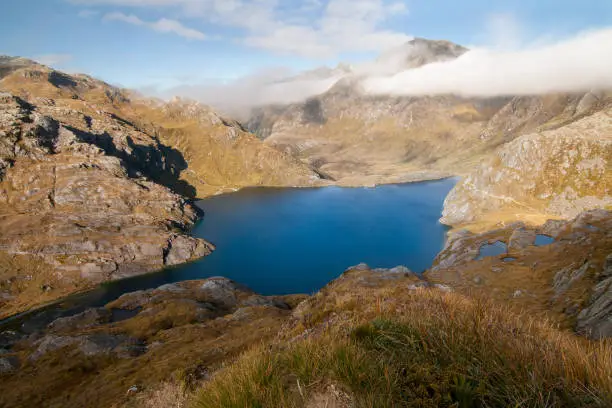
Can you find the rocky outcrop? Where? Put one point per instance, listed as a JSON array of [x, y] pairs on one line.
[[558, 172], [86, 195], [570, 279], [188, 326], [89, 345], [70, 196], [596, 319]]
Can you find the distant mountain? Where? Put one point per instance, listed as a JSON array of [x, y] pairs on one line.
[[356, 138]]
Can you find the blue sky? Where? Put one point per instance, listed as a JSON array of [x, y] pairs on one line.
[[149, 43]]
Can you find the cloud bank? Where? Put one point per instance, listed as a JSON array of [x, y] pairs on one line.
[[578, 64], [270, 87]]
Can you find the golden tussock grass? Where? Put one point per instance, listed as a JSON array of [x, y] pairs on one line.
[[426, 350]]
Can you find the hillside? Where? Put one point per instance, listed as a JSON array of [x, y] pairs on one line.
[[360, 139], [554, 173], [218, 153], [97, 184], [372, 337], [95, 181]]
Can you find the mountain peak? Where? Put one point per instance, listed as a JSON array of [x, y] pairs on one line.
[[421, 51]]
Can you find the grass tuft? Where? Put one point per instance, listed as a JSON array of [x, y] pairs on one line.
[[460, 353]]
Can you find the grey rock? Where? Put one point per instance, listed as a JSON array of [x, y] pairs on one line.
[[443, 288], [566, 277], [172, 288], [182, 249], [257, 300], [242, 313], [5, 296], [220, 290], [8, 365], [360, 267], [521, 238], [595, 320], [400, 269], [90, 345], [607, 270], [50, 343], [552, 228], [134, 300], [88, 318], [97, 344]]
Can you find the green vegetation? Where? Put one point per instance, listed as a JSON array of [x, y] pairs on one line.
[[443, 350]]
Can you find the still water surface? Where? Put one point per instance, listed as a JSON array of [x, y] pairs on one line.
[[280, 241]]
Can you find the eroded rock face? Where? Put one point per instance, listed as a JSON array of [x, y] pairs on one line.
[[85, 193], [560, 172], [596, 320]]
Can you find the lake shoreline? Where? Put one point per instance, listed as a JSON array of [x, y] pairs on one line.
[[166, 275]]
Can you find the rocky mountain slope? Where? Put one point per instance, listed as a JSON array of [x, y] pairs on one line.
[[559, 172], [568, 279], [94, 180], [363, 139]]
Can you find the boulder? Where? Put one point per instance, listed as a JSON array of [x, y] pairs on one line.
[[90, 345], [400, 269], [360, 267], [257, 300], [521, 238], [566, 277], [172, 288], [220, 290], [8, 364], [596, 319], [182, 249], [88, 318], [132, 300]]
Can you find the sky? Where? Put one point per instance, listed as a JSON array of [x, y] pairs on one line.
[[161, 44]]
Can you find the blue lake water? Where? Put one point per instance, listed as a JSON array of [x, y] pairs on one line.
[[281, 241], [495, 249], [544, 240]]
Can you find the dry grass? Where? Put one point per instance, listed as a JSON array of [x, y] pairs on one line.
[[31, 282], [167, 395], [430, 350]]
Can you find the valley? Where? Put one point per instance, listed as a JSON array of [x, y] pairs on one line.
[[110, 200]]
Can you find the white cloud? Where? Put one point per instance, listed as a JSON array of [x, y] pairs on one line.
[[312, 28], [163, 25], [577, 64], [267, 87], [573, 65], [53, 59]]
